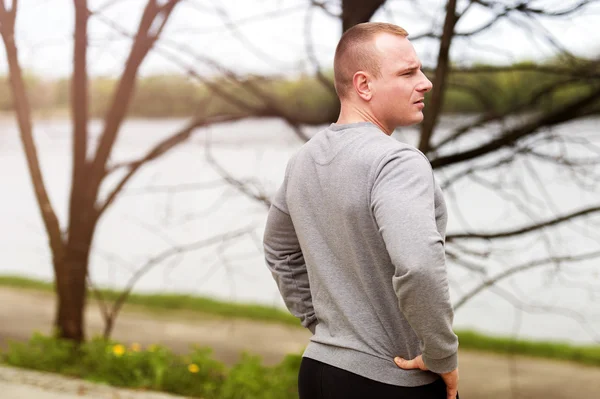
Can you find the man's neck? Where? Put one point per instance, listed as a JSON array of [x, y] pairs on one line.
[[352, 114]]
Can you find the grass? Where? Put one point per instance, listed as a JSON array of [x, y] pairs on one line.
[[196, 374], [589, 355], [170, 302], [471, 340]]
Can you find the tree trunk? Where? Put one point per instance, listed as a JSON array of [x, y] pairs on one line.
[[439, 82], [71, 274], [355, 12]]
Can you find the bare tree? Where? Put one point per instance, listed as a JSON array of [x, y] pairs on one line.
[[523, 141], [71, 248], [518, 143]]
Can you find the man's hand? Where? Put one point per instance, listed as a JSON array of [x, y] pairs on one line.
[[451, 378]]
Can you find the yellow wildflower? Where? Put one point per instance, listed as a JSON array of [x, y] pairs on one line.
[[136, 347], [118, 350], [152, 348], [193, 368]]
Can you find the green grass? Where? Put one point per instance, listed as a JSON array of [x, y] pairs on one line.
[[27, 283], [589, 355], [170, 302], [196, 374]]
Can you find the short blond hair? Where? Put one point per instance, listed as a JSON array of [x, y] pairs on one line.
[[355, 52]]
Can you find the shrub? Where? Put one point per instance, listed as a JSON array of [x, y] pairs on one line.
[[196, 374]]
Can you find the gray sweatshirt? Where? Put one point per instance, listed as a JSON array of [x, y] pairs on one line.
[[355, 241]]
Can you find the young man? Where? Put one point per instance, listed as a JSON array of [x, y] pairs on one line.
[[355, 236]]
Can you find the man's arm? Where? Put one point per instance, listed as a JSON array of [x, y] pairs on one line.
[[285, 260], [402, 200]]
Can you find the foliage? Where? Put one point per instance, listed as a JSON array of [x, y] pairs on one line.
[[196, 374], [520, 88], [248, 379]]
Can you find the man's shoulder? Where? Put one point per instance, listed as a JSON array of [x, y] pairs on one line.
[[373, 146], [387, 147]]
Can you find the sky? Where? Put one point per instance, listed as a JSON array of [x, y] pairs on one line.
[[271, 35]]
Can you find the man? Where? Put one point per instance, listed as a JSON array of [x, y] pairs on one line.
[[355, 236]]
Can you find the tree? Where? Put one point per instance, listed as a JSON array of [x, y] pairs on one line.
[[524, 139], [71, 248]]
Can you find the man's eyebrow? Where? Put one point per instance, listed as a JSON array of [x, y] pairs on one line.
[[412, 67]]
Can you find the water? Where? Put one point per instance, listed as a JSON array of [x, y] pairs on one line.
[[180, 199]]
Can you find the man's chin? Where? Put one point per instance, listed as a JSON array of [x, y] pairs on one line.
[[418, 118]]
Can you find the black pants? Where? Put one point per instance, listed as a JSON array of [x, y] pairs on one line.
[[318, 380]]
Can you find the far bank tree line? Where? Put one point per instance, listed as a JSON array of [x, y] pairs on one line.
[[179, 95]]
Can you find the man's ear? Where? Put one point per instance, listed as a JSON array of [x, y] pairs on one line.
[[362, 85]]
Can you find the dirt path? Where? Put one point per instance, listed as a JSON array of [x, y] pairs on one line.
[[26, 384], [482, 375]]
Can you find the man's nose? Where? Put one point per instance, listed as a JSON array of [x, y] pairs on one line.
[[425, 85]]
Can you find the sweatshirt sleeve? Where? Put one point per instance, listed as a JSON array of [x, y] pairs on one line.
[[285, 260], [402, 201]]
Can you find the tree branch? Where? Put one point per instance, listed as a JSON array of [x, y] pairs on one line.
[[102, 305], [587, 71], [271, 106], [357, 11], [176, 250], [441, 73], [478, 168], [484, 27], [524, 7], [168, 55], [266, 57], [480, 96], [260, 17], [456, 258], [160, 149], [526, 229], [517, 107], [181, 136], [146, 36], [323, 6], [79, 88], [310, 51], [172, 189], [526, 266], [23, 112], [554, 117], [530, 308], [79, 115], [240, 186]]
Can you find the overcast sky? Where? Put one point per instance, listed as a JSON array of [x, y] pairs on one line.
[[270, 35]]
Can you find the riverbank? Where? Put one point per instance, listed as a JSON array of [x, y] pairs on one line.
[[198, 308], [482, 374]]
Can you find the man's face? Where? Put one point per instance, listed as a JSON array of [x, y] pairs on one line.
[[398, 93]]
